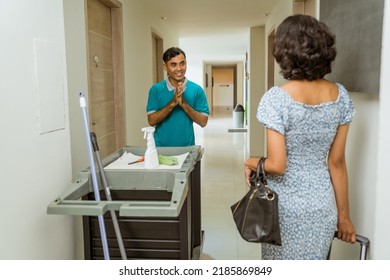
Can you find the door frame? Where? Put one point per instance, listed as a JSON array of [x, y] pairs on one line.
[[271, 60], [157, 54]]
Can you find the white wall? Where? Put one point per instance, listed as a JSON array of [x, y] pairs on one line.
[[76, 61], [138, 25], [76, 58], [256, 90], [35, 168], [380, 237], [240, 83], [281, 11], [361, 153]]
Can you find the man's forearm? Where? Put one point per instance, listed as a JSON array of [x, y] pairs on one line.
[[159, 116], [195, 116]]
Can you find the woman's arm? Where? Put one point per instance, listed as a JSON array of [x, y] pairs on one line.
[[276, 156], [339, 178]]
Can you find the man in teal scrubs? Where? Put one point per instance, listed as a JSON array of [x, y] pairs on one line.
[[175, 103]]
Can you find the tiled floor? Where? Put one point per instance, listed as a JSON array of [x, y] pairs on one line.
[[223, 183]]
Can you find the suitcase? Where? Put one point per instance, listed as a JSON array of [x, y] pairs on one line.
[[364, 244]]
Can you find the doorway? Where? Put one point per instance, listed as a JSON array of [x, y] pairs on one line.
[[157, 53], [224, 87], [106, 74]]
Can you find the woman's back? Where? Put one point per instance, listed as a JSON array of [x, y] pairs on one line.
[[305, 190], [312, 92], [309, 129], [307, 125]]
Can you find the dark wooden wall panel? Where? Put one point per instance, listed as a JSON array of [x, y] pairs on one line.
[[357, 25]]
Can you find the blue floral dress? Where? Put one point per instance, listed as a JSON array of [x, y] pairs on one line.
[[307, 207]]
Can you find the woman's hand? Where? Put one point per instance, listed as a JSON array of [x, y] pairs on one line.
[[346, 230], [250, 165], [248, 173]]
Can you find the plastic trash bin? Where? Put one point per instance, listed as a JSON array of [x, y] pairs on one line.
[[238, 116], [158, 210]]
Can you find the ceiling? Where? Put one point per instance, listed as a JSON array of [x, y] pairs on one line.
[[207, 17], [213, 28]]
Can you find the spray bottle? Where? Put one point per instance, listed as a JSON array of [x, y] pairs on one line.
[[151, 155]]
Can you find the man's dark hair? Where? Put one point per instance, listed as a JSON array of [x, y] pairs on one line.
[[304, 48], [172, 52]]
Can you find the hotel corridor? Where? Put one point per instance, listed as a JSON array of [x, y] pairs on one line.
[[223, 183]]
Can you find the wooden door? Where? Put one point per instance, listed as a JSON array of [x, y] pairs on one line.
[[106, 95], [225, 78], [157, 62]]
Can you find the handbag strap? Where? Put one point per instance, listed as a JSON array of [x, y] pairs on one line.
[[260, 172], [261, 181]]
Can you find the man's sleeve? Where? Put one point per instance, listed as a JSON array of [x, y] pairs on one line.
[[152, 105], [201, 104]]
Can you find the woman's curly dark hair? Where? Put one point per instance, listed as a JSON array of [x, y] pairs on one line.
[[304, 48]]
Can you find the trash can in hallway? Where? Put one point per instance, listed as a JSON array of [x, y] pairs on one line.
[[238, 116]]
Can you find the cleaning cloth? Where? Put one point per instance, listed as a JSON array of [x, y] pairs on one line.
[[167, 160]]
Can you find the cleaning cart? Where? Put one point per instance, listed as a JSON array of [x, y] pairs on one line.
[[158, 210]]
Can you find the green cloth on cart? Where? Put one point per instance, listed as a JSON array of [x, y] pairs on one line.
[[167, 160]]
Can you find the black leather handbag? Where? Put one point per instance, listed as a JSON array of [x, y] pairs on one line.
[[257, 215]]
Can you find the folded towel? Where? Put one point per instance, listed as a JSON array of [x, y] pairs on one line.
[[167, 160]]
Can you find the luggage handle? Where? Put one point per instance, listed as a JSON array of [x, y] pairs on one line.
[[364, 241], [364, 244]]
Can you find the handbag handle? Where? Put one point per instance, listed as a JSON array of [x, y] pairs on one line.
[[261, 180], [260, 172], [258, 176]]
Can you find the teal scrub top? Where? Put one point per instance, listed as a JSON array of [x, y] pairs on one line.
[[177, 129]]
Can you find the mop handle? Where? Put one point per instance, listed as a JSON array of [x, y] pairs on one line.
[[94, 142], [108, 195], [102, 174], [83, 105]]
